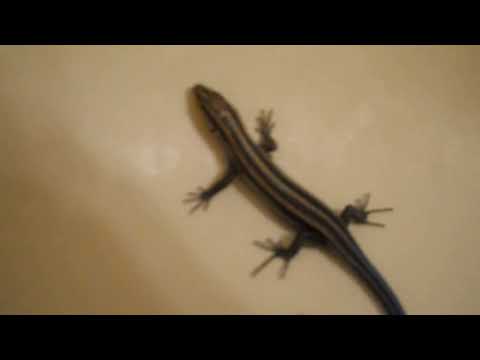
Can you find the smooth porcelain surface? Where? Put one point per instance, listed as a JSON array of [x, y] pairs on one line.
[[100, 144]]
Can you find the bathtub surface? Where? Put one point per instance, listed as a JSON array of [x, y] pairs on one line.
[[100, 144]]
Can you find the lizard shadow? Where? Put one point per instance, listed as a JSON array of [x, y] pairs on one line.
[[259, 201]]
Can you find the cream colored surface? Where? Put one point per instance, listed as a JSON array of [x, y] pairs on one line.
[[100, 145]]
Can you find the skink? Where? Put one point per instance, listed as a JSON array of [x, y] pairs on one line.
[[311, 218]]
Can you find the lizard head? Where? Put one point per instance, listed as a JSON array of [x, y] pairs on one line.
[[219, 112]]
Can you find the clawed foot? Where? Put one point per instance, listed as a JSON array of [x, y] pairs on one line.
[[358, 214], [199, 198], [278, 250], [265, 123], [264, 128]]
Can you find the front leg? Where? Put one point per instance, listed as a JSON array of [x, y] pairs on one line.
[[358, 212], [264, 128], [202, 196]]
